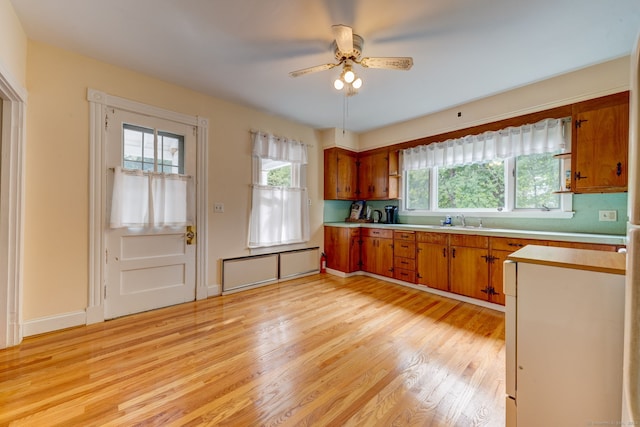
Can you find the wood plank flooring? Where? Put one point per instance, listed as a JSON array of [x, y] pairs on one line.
[[315, 351]]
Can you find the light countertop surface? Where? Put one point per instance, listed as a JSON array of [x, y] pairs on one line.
[[579, 259], [497, 232]]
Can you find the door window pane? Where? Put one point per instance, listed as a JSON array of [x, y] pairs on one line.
[[142, 151]]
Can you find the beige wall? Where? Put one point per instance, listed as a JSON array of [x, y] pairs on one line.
[[57, 158], [599, 80], [13, 44]]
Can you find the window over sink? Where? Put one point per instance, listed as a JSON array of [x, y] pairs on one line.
[[512, 171]]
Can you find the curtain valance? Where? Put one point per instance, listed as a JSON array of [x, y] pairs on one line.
[[268, 146], [545, 136]]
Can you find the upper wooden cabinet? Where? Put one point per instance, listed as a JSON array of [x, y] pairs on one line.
[[600, 141], [340, 174], [369, 176]]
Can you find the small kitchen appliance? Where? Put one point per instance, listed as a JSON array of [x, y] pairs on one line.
[[392, 214]]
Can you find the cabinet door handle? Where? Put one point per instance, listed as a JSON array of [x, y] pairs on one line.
[[444, 252], [453, 252], [404, 246], [619, 169], [579, 176]]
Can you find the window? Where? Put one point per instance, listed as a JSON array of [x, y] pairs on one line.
[[537, 176], [280, 204], [143, 151], [512, 169]]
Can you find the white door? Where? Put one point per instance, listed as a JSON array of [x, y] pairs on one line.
[[148, 267]]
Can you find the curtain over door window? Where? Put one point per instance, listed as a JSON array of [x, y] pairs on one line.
[[280, 207]]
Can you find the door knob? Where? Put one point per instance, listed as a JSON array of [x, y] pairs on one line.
[[190, 235]]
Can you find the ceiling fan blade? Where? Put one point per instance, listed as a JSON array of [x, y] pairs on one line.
[[390, 63], [344, 38], [310, 70]]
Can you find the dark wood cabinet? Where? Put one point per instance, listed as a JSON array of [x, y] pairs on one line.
[[600, 142], [340, 174], [377, 251]]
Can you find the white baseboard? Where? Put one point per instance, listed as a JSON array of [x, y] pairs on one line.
[[95, 314], [214, 290], [445, 294], [43, 325]]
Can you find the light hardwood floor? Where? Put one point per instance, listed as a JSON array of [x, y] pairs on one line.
[[315, 351]]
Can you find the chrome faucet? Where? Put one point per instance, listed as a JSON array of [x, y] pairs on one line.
[[462, 222]]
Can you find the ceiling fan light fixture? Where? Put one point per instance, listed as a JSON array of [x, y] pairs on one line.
[[357, 83], [349, 75], [338, 84]]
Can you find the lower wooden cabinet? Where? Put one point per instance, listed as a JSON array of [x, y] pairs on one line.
[[342, 248], [377, 251], [404, 256], [469, 265], [465, 264], [432, 260]]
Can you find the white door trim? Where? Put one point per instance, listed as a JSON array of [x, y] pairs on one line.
[[13, 97], [99, 102]]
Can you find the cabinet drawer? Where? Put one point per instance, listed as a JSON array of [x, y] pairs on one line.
[[377, 232], [354, 232], [404, 249], [469, 240], [404, 235], [404, 263], [404, 275], [426, 237], [510, 244]]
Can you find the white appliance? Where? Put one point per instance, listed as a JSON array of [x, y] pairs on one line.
[[631, 364], [564, 337]]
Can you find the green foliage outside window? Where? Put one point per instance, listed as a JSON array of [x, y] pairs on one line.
[[418, 189], [537, 177], [475, 186], [279, 177]]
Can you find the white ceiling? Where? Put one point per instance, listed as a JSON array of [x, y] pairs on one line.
[[243, 50]]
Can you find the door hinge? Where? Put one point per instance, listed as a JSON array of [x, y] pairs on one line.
[[106, 256], [105, 291]]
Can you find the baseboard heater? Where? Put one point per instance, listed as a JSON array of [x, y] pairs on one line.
[[250, 271]]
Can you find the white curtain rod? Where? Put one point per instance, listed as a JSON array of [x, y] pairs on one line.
[[253, 132]]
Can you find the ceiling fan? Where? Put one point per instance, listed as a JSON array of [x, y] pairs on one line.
[[347, 47]]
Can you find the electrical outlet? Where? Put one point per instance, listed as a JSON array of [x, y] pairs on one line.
[[218, 207], [607, 215]]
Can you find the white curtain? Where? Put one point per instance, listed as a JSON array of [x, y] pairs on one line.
[[279, 215], [142, 199], [545, 136]]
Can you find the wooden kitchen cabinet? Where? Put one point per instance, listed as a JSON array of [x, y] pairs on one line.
[[377, 176], [377, 251], [469, 265], [600, 141], [404, 256], [342, 248], [432, 260], [340, 174]]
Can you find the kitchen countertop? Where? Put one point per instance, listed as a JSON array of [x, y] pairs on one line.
[[496, 232], [579, 259]]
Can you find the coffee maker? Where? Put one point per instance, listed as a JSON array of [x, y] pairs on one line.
[[392, 214]]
